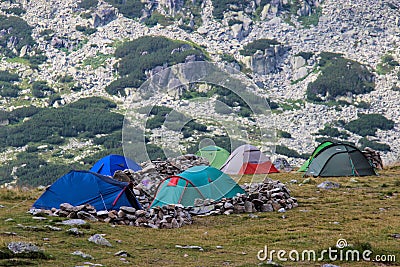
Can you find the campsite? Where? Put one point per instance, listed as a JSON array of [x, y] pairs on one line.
[[287, 211], [365, 213], [200, 133]]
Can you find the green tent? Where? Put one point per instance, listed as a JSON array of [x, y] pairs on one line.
[[340, 160], [214, 154], [321, 146], [204, 182]]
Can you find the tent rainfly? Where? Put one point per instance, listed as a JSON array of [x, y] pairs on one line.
[[112, 163], [85, 187], [203, 182], [248, 159], [321, 146], [340, 160], [214, 154]]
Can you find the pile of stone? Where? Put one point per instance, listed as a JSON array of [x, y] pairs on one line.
[[374, 157], [170, 216], [153, 172], [267, 196]]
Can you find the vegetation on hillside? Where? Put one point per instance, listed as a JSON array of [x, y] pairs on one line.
[[158, 18], [333, 132], [174, 121], [222, 6], [284, 134], [364, 142], [387, 64], [85, 30], [88, 117], [233, 102], [368, 124], [7, 86], [339, 77], [259, 44], [129, 8], [287, 10], [87, 4], [312, 19], [50, 127], [15, 10], [144, 54], [40, 89], [16, 34], [284, 150]]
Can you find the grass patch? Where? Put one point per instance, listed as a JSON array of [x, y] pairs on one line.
[[355, 212], [97, 61], [19, 60], [312, 20]]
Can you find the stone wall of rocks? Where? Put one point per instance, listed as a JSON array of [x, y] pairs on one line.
[[267, 196], [374, 157], [154, 171], [170, 216]]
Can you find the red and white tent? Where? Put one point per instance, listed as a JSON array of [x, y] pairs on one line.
[[248, 159]]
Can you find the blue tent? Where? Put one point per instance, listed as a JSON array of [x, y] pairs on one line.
[[111, 163], [84, 187]]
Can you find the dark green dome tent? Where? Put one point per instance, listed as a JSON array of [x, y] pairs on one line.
[[204, 182], [321, 146], [340, 160], [214, 154]]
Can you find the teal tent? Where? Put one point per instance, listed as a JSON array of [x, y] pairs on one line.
[[214, 154], [204, 182], [340, 160]]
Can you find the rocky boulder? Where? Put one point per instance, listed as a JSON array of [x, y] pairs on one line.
[[266, 61], [103, 16]]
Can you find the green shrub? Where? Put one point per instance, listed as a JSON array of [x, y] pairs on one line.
[[66, 79], [285, 134], [305, 55], [338, 77], [15, 11], [9, 90], [87, 4], [6, 76], [18, 29], [333, 132], [89, 116], [85, 30], [364, 142], [367, 124], [129, 8], [146, 53], [157, 18], [234, 21], [283, 150], [260, 44], [221, 6]]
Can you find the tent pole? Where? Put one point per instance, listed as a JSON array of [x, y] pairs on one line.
[[353, 168]]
